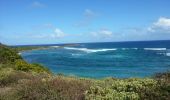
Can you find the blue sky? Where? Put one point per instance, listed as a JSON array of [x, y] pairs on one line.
[[69, 21]]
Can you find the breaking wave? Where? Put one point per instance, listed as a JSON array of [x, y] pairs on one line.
[[154, 48], [55, 46], [167, 54], [89, 50]]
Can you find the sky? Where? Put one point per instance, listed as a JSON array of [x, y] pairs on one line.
[[25, 22]]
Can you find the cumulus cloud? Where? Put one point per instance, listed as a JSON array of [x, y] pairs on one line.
[[37, 4], [163, 22], [102, 33], [105, 32], [161, 25], [58, 33], [158, 30]]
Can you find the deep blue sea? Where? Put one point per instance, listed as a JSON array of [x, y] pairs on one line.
[[108, 59]]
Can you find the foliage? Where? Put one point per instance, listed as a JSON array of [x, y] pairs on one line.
[[163, 80], [125, 89], [25, 48], [9, 76], [24, 66], [57, 89], [7, 55], [41, 86]]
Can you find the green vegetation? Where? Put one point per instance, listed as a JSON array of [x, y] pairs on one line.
[[128, 89], [22, 81], [8, 55], [9, 58], [25, 48], [24, 66]]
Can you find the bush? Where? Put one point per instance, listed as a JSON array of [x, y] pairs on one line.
[[163, 83], [9, 76], [99, 93], [24, 66], [41, 86], [58, 88], [126, 89], [8, 55]]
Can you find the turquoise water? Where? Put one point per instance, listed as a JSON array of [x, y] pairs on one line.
[[99, 60]]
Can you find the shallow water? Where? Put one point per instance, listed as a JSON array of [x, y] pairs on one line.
[[98, 60]]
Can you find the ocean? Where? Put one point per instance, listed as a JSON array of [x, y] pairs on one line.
[[107, 59]]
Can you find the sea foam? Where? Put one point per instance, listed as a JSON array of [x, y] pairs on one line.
[[55, 46], [167, 54], [129, 48], [154, 48], [89, 50]]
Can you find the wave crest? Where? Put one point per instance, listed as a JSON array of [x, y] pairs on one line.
[[167, 54], [154, 48], [55, 46], [89, 50]]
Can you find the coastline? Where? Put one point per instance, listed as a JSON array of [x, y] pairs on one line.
[[24, 80]]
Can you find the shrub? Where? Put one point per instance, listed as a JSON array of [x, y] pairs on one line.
[[58, 88], [9, 76], [39, 68], [163, 84], [126, 89], [8, 55], [70, 88], [24, 66]]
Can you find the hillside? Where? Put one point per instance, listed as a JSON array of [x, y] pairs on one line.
[[7, 55], [20, 80]]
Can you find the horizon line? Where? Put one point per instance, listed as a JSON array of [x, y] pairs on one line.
[[84, 42]]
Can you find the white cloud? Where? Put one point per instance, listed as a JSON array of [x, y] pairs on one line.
[[106, 32], [163, 22], [37, 4], [161, 25], [102, 33], [56, 34], [158, 30]]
